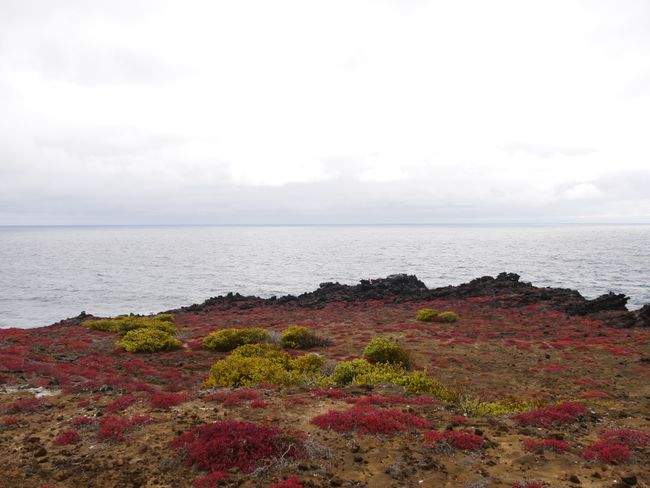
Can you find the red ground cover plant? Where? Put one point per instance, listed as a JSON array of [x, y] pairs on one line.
[[121, 403], [25, 405], [114, 428], [67, 437], [607, 452], [455, 438], [211, 480], [628, 437], [259, 404], [10, 420], [541, 445], [555, 415], [165, 401], [391, 400], [293, 482], [330, 393], [230, 444], [84, 420], [369, 420]]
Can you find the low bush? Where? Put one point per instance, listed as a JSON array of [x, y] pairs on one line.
[[628, 437], [233, 398], [67, 437], [148, 340], [542, 445], [381, 350], [113, 428], [298, 337], [447, 317], [250, 365], [125, 323], [369, 420], [552, 416], [24, 405], [120, 403], [165, 401], [229, 339], [228, 444], [426, 315], [607, 452], [454, 439]]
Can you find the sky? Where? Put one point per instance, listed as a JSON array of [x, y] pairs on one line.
[[324, 112]]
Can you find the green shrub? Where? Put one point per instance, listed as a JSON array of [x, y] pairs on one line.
[[148, 340], [426, 315], [299, 337], [125, 323], [380, 350], [264, 363], [448, 317], [165, 317], [229, 339]]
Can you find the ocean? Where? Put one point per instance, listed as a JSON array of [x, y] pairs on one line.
[[50, 273]]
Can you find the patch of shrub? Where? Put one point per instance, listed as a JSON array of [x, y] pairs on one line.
[[120, 403], [552, 416], [478, 408], [427, 315], [381, 350], [24, 405], [245, 368], [454, 439], [542, 445], [607, 452], [447, 316], [299, 337], [114, 428], [211, 480], [369, 420], [229, 339], [67, 437], [628, 437], [233, 398], [165, 401], [228, 444], [148, 340], [125, 323]]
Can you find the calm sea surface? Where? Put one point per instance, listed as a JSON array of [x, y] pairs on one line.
[[49, 273]]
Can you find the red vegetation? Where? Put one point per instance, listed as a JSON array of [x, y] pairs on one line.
[[67, 437], [607, 452], [555, 415], [541, 445], [330, 393], [25, 405], [121, 403], [455, 438], [628, 437], [165, 401], [259, 404], [391, 400], [528, 484], [211, 480], [114, 428], [229, 444], [85, 420], [369, 420]]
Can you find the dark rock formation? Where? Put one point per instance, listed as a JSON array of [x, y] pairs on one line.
[[506, 290]]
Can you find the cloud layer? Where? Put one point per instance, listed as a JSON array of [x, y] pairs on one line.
[[332, 112]]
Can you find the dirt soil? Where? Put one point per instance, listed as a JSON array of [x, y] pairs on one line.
[[52, 376]]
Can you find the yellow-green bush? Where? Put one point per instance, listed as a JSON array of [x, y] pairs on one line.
[[427, 315], [299, 337], [229, 339], [148, 339], [165, 317], [125, 323], [264, 363], [447, 317], [381, 350], [477, 408]]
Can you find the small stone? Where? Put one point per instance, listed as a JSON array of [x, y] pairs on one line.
[[40, 452], [629, 480], [358, 459], [574, 479]]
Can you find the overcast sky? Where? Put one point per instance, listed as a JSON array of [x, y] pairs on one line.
[[381, 111]]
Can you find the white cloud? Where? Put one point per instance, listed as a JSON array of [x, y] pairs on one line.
[[497, 109]]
